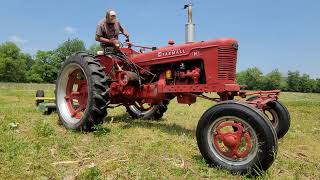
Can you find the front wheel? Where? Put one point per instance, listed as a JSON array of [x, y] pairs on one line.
[[279, 116], [237, 137]]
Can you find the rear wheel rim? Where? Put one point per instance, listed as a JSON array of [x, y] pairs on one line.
[[232, 140], [141, 108], [72, 93]]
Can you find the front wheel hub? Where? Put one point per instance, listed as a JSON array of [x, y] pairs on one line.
[[232, 140]]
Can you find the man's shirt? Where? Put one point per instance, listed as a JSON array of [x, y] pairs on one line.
[[107, 30]]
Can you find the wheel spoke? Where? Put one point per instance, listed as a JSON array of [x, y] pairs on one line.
[[140, 105], [74, 95], [79, 109], [231, 140], [76, 91]]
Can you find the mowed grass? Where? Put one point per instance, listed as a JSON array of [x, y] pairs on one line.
[[122, 148]]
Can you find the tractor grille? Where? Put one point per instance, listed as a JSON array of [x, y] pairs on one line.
[[227, 60]]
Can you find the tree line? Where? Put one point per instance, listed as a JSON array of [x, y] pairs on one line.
[[293, 81], [16, 66]]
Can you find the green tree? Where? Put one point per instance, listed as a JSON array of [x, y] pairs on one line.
[[284, 84], [12, 63], [293, 81], [307, 85], [67, 48], [28, 60], [94, 48], [240, 77], [35, 73], [9, 49], [252, 78], [272, 80], [12, 70], [48, 63], [44, 68], [317, 86]]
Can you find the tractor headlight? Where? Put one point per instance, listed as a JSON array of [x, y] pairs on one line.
[[168, 74]]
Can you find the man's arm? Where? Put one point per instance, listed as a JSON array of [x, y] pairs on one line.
[[123, 31], [105, 40]]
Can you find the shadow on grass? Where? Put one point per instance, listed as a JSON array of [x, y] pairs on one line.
[[172, 129], [251, 174], [97, 130]]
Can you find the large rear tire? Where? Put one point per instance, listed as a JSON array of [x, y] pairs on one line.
[[82, 92], [237, 137], [150, 112]]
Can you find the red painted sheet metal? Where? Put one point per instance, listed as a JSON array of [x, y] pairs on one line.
[[199, 88], [172, 53]]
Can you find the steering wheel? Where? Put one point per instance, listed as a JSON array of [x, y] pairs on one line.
[[126, 42]]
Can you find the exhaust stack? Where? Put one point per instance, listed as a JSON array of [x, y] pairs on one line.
[[190, 27]]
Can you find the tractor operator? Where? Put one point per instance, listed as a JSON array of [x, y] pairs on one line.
[[108, 30]]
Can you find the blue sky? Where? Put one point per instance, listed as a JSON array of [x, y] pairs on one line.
[[283, 34]]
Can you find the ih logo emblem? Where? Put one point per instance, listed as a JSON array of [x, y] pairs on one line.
[[195, 53]]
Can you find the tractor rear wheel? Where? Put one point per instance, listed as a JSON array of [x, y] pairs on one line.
[[146, 111], [82, 92], [279, 116], [237, 137]]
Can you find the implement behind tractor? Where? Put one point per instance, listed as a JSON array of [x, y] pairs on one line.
[[239, 135], [44, 104]]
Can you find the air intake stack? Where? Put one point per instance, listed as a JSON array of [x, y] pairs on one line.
[[190, 27]]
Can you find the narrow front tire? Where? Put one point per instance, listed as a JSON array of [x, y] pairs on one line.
[[237, 137]]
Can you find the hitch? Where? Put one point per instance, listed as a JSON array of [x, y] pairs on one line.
[[260, 99], [244, 94]]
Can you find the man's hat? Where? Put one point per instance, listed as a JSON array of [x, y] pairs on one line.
[[111, 13]]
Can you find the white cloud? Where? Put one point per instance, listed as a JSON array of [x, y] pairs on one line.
[[18, 40], [70, 30], [23, 44]]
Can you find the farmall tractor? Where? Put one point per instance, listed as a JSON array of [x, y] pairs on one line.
[[238, 135]]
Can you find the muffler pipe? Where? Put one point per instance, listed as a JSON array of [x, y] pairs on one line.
[[190, 27]]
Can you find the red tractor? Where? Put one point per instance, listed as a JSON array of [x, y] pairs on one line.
[[239, 135]]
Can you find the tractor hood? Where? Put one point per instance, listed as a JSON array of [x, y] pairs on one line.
[[181, 50]]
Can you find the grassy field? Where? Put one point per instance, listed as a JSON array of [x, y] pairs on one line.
[[39, 148]]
